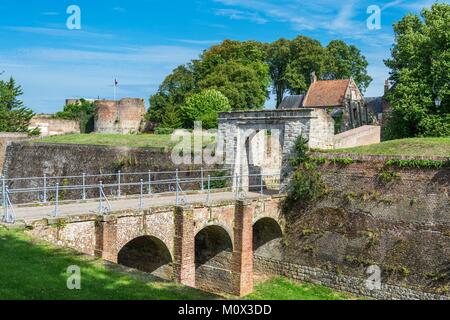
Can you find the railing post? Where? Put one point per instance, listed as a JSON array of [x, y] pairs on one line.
[[262, 184], [4, 200], [84, 186], [100, 206], [176, 189], [149, 183], [9, 215], [202, 179], [56, 212], [237, 185], [141, 200], [45, 188], [119, 191], [209, 189]]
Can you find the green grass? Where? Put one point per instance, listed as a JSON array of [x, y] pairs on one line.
[[405, 147], [34, 270], [158, 141], [115, 140], [280, 288]]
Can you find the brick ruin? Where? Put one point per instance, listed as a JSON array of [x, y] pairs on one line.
[[119, 117]]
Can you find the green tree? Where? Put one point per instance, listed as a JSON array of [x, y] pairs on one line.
[[278, 57], [205, 107], [307, 55], [14, 116], [240, 83], [171, 117], [420, 72], [84, 112], [238, 70], [344, 61], [172, 92]]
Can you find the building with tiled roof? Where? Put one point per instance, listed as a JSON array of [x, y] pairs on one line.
[[341, 98]]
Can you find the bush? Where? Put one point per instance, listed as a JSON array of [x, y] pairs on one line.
[[161, 130], [84, 111], [205, 107], [306, 184]]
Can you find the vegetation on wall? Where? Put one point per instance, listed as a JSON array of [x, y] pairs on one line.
[[420, 65], [420, 164], [306, 184], [14, 116], [84, 112]]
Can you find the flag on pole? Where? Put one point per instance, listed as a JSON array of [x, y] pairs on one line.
[[115, 88]]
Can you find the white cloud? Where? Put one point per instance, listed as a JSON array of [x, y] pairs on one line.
[[50, 13], [58, 32], [49, 75], [241, 15], [198, 42], [119, 9]]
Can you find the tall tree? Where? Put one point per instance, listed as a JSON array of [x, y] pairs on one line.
[[420, 72], [344, 61], [307, 55], [172, 92], [278, 57], [14, 116], [238, 70]]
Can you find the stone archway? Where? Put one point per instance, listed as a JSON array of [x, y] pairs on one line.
[[213, 259], [268, 238], [235, 128], [148, 254]]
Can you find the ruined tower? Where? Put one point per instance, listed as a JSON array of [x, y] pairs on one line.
[[124, 116]]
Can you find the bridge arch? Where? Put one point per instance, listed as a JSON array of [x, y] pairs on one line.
[[267, 238], [213, 258], [149, 254]]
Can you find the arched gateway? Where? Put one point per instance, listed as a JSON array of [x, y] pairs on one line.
[[260, 142]]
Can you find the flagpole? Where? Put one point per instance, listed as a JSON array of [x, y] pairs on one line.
[[115, 81]]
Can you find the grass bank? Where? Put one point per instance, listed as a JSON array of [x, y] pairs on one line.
[[426, 147], [34, 270]]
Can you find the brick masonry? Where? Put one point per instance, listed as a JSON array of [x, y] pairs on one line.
[[402, 226]]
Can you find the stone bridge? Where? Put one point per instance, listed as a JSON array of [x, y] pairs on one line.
[[210, 247]]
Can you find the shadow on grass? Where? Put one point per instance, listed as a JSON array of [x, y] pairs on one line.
[[34, 270]]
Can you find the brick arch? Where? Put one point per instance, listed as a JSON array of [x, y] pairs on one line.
[[213, 258], [221, 224], [158, 225], [267, 238], [271, 209], [149, 254]]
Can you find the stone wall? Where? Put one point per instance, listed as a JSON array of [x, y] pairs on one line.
[[361, 136], [123, 117], [353, 285], [34, 159], [50, 126], [400, 224], [5, 139]]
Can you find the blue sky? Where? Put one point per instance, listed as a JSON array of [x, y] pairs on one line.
[[140, 42]]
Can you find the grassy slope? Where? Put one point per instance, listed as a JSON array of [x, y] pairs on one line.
[[408, 147], [280, 288], [34, 270], [115, 140]]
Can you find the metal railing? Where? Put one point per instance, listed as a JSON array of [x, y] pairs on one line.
[[57, 190]]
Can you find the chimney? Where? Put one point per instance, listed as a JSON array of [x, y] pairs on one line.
[[386, 86], [313, 77]]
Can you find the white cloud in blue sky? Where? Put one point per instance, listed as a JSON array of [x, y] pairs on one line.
[[140, 42]]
